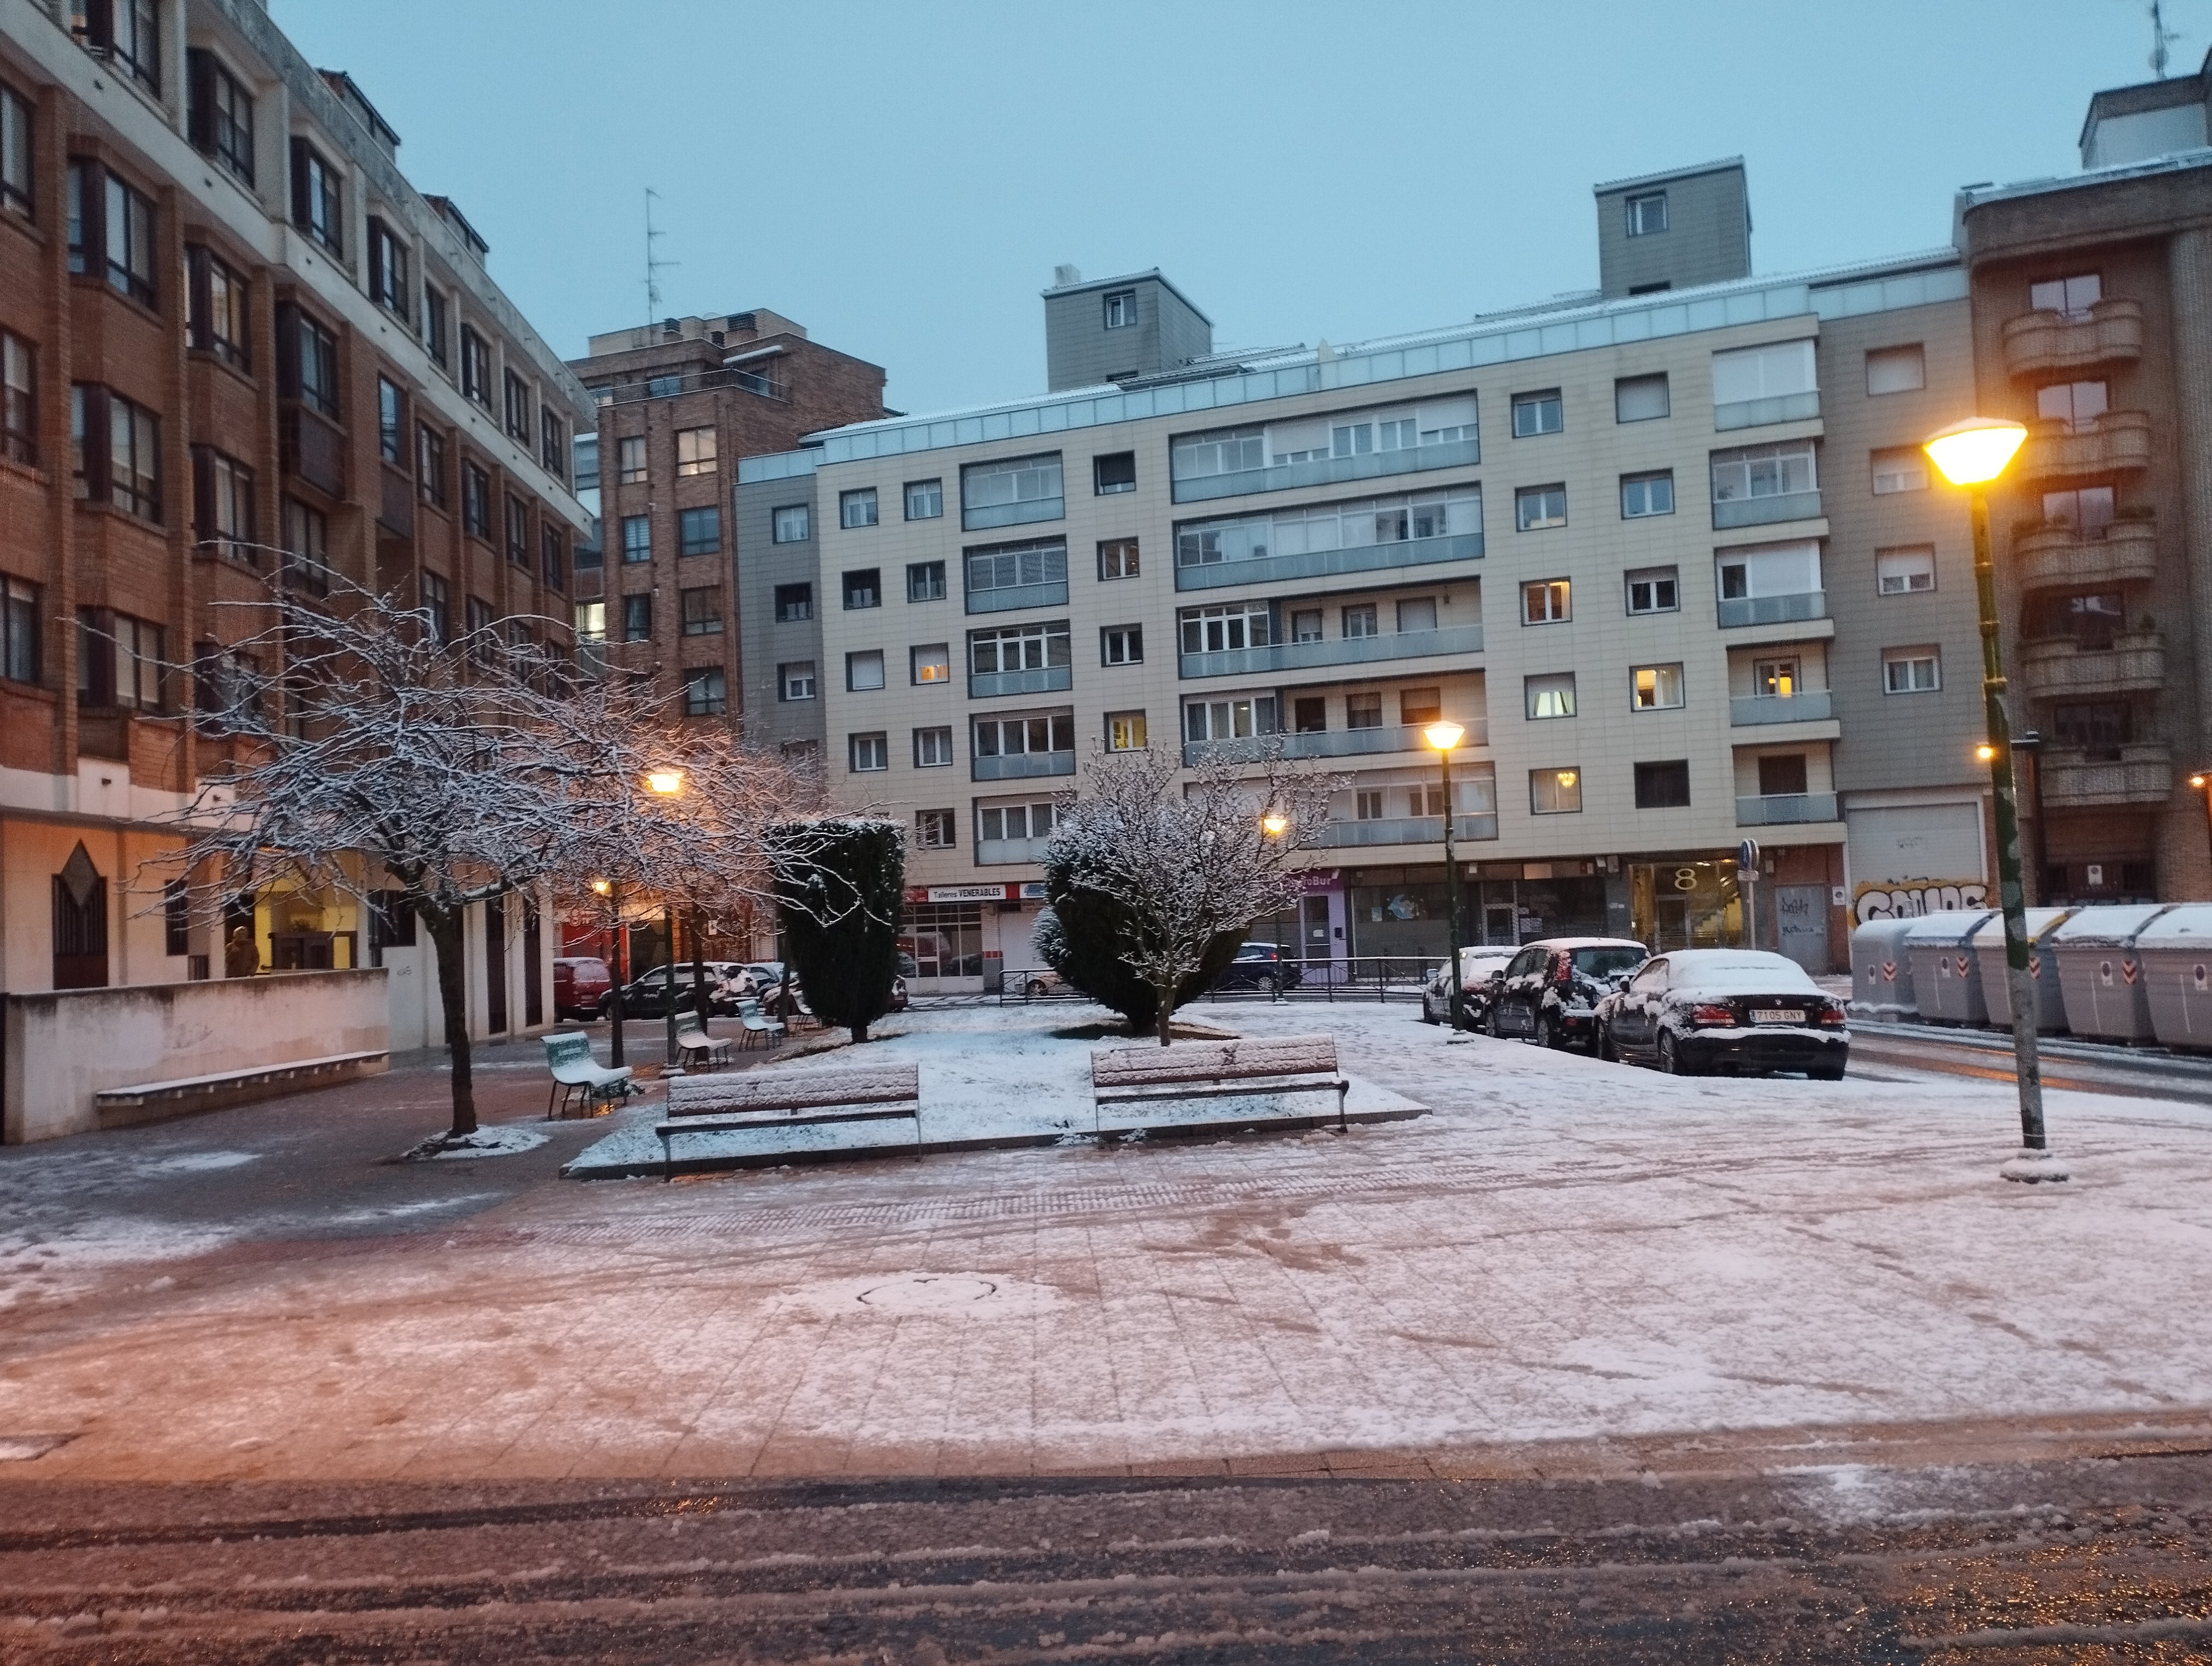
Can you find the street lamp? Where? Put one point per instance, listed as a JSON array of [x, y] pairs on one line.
[[667, 782], [1971, 455], [1443, 735], [606, 888], [2200, 781]]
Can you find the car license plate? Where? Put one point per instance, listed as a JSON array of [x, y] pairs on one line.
[[1776, 1015]]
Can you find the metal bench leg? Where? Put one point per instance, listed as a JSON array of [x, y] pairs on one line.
[[1343, 1088]]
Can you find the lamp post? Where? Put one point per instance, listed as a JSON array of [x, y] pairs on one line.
[[606, 888], [1274, 824], [2200, 781], [668, 783], [1443, 735], [1971, 455]]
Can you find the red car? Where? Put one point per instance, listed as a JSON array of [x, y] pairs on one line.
[[580, 982]]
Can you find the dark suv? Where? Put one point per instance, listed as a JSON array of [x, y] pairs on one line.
[[1550, 989], [1260, 967]]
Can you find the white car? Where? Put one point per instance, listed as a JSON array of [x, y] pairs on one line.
[[1476, 968]]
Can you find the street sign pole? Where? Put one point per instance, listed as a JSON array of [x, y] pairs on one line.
[[1746, 881]]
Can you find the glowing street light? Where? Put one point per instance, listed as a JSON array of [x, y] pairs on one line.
[[1274, 824], [666, 783], [1443, 734], [1975, 452]]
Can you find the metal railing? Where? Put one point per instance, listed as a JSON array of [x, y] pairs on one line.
[[1340, 651], [1330, 742], [1806, 706], [1326, 563], [1347, 980], [1326, 470], [658, 387], [1773, 610], [1766, 510]]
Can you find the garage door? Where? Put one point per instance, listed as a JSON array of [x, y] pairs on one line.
[[1914, 859]]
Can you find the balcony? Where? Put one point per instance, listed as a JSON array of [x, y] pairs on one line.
[[1049, 593], [1327, 471], [1760, 413], [1334, 743], [1409, 830], [1343, 651], [1781, 809], [2142, 773], [312, 449], [2116, 442], [990, 852], [1019, 512], [1773, 610], [2058, 669], [2041, 344], [2052, 557], [1021, 766], [1048, 680], [1328, 563], [667, 387], [1765, 511], [1806, 706]]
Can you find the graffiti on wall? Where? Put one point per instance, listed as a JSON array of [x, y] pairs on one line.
[[1908, 899]]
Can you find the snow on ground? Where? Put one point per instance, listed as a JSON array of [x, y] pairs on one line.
[[504, 1140]]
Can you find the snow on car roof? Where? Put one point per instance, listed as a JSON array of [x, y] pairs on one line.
[[1585, 943]]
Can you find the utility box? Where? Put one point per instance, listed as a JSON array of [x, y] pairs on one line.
[[1990, 952], [1945, 979], [1881, 975], [2101, 972], [2177, 972]]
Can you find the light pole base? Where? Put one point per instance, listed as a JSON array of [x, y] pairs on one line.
[[2035, 1167]]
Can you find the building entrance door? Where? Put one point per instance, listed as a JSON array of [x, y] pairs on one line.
[[1801, 914], [1313, 932], [1500, 926]]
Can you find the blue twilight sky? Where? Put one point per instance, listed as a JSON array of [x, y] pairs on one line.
[[901, 178]]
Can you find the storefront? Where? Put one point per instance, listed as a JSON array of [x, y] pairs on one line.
[[962, 940]]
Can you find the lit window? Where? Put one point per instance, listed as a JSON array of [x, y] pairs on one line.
[[1550, 696], [1555, 791], [930, 663], [1547, 601], [1125, 731], [1655, 688]]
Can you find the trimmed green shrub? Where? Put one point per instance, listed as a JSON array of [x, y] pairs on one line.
[[839, 883]]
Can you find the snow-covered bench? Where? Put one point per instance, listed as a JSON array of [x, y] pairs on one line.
[[140, 1101], [1271, 1066], [779, 1098]]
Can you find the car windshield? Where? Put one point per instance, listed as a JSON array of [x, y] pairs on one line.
[[1604, 962]]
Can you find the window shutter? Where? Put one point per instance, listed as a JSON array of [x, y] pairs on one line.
[[203, 498], [287, 350], [199, 98], [300, 216]]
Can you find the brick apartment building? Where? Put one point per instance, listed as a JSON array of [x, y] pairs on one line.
[[240, 348]]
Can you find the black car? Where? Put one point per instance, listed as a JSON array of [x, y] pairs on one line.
[[1262, 967], [1737, 1010], [1550, 989], [646, 996]]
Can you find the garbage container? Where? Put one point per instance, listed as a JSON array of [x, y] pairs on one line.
[[1881, 975], [2101, 970], [1944, 980], [2177, 974], [1989, 951]]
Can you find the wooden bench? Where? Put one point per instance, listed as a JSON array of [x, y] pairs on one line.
[[788, 1099], [577, 1073], [144, 1102], [696, 1045], [1216, 1070]]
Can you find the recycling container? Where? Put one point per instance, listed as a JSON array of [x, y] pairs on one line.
[[1881, 975], [1944, 980], [2101, 970], [1990, 952], [2177, 974]]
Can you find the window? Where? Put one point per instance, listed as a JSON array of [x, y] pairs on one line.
[[1117, 558], [1547, 601], [869, 752], [317, 203], [19, 400], [1015, 822], [864, 669], [476, 367], [2071, 298], [932, 662], [2089, 509], [996, 575], [1115, 472], [1896, 370], [1911, 671], [698, 532], [863, 587], [1640, 398], [515, 394], [223, 506], [1775, 679], [932, 829], [695, 452], [637, 618], [1003, 494], [216, 309], [1310, 714], [636, 538], [1647, 214], [1020, 648], [1901, 572], [19, 630], [111, 231], [924, 582], [119, 451], [590, 621], [1644, 494], [1779, 569], [1663, 786], [857, 509], [1225, 629], [1306, 624], [15, 171], [1783, 775], [306, 547], [1772, 384], [1654, 687], [1125, 731], [1653, 590], [1120, 309], [933, 748], [391, 422], [794, 603], [1367, 805], [2099, 728], [1234, 717], [1420, 706], [795, 680], [1538, 413], [435, 336], [1417, 614], [1755, 472], [1555, 791], [1121, 645], [630, 459], [1550, 695], [476, 500], [437, 603], [793, 524], [1900, 468], [1361, 620], [1363, 711], [119, 661], [2077, 405], [387, 273], [479, 616], [925, 500], [702, 611], [553, 443], [553, 554], [1537, 507], [704, 693], [430, 464]]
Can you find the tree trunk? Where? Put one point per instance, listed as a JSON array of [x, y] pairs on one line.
[[1165, 1015], [448, 937], [859, 1034]]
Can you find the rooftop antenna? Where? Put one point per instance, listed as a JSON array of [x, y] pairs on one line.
[[2161, 37], [654, 263]]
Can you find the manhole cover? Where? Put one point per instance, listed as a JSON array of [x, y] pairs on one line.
[[953, 1290]]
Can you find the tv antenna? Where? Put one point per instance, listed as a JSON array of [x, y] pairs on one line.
[[2161, 37], [654, 263]]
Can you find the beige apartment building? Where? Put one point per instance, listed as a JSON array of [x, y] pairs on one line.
[[1667, 556]]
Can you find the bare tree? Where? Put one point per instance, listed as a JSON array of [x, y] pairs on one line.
[[1188, 861]]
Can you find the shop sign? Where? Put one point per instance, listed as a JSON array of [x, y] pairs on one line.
[[969, 894], [1317, 883], [1033, 891]]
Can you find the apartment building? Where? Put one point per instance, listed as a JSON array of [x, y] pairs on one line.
[[1654, 552], [2093, 323], [240, 348], [679, 403]]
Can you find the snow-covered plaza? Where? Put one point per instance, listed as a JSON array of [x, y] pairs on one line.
[[1568, 1264]]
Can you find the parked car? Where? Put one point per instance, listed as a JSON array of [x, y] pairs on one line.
[[1550, 989], [1042, 982], [646, 996], [1737, 1010], [580, 982], [1477, 967], [1260, 967]]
